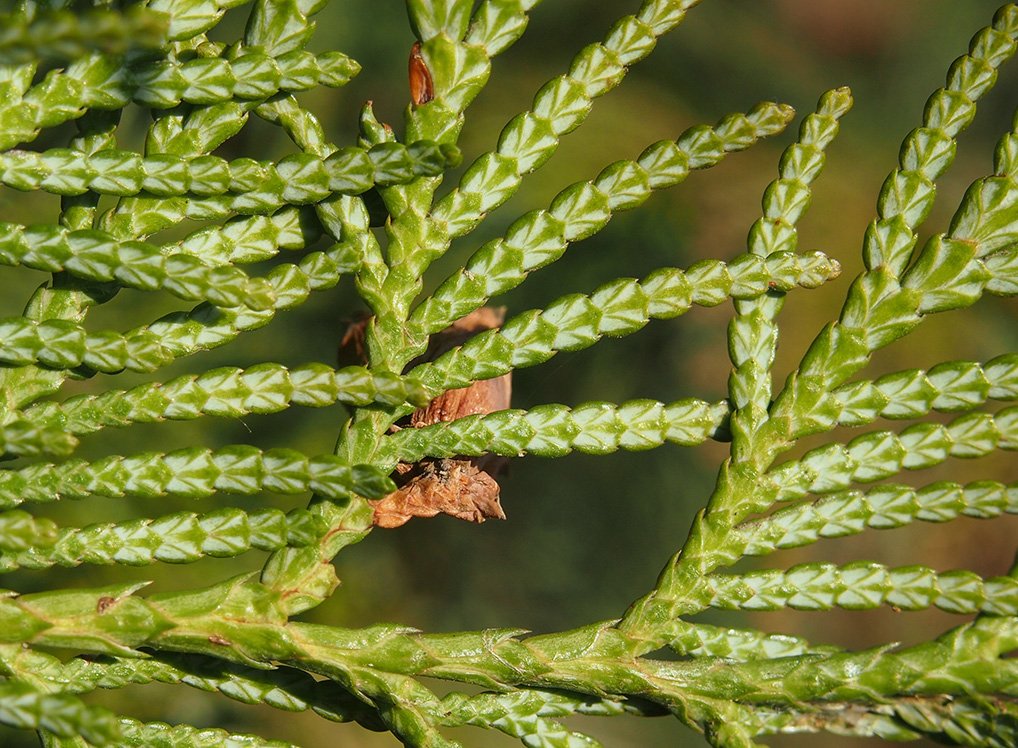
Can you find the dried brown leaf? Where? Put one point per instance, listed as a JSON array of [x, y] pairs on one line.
[[462, 487], [455, 487], [422, 88]]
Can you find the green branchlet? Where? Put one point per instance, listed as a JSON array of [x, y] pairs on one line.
[[97, 256], [619, 308], [176, 538], [30, 36], [881, 454], [556, 430], [951, 386], [227, 392], [64, 344], [861, 586], [704, 640], [888, 506], [250, 238], [193, 472], [23, 706], [242, 186], [103, 82]]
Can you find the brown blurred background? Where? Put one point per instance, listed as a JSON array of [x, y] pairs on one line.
[[587, 535]]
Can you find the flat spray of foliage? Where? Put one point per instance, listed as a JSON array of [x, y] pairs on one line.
[[239, 636]]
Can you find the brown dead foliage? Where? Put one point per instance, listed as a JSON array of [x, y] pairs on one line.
[[462, 487]]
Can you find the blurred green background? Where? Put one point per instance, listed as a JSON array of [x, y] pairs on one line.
[[587, 535]]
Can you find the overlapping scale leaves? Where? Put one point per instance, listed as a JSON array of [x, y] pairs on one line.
[[322, 204], [105, 82], [242, 185], [201, 94]]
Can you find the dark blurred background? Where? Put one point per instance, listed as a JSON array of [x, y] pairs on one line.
[[587, 535]]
